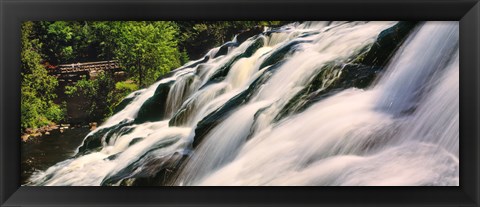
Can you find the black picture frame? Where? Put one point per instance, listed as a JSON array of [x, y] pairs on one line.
[[13, 12]]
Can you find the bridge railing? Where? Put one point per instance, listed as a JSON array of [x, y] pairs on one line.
[[87, 67]]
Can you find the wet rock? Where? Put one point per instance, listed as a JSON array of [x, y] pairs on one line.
[[123, 104], [224, 49], [148, 167], [135, 140], [281, 52], [386, 43], [249, 33], [154, 108], [94, 141]]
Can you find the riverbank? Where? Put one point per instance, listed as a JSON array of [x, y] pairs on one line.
[[30, 133]]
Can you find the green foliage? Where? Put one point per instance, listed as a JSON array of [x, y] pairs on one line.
[[101, 94], [122, 89], [126, 86], [147, 50], [75, 41], [184, 57], [58, 40], [98, 95], [37, 87]]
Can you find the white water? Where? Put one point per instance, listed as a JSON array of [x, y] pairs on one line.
[[403, 130]]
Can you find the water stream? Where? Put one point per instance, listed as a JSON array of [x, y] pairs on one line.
[[304, 104]]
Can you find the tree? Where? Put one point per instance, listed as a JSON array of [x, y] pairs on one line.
[[98, 95], [37, 87], [147, 50]]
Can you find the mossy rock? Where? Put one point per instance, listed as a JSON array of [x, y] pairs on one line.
[[93, 142], [386, 43], [154, 108]]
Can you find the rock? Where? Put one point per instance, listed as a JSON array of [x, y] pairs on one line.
[[25, 137], [43, 129], [156, 171], [224, 49], [249, 33], [47, 133], [154, 108], [125, 102], [30, 131], [135, 140], [386, 44], [280, 53], [94, 141]]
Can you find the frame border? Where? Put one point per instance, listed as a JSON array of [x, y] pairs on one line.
[[13, 12]]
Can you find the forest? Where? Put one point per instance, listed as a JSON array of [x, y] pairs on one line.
[[146, 50]]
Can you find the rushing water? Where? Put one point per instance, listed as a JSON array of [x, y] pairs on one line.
[[43, 152], [305, 104]]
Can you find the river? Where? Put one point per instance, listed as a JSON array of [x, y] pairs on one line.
[[43, 152]]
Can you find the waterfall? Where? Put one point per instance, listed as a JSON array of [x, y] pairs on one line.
[[312, 103]]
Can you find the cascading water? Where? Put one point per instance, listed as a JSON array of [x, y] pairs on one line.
[[317, 103]]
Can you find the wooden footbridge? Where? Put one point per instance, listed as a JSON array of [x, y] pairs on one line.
[[86, 68]]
